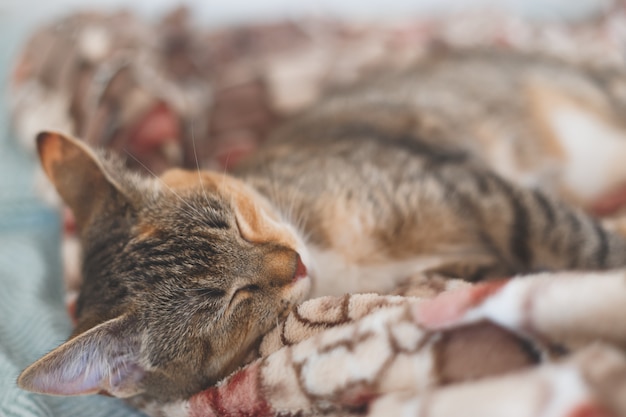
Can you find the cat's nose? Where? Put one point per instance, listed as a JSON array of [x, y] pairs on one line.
[[279, 265], [301, 271]]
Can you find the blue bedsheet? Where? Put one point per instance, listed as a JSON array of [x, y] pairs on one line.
[[32, 314]]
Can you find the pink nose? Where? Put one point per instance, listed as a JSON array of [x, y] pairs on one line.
[[300, 269]]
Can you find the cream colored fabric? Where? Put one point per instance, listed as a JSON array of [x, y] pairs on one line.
[[542, 345]]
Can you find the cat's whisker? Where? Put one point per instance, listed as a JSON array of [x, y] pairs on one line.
[[275, 192], [224, 174], [231, 200], [288, 204], [193, 209], [195, 154], [297, 221], [294, 198]]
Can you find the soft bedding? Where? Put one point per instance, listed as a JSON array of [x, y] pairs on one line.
[[545, 345]]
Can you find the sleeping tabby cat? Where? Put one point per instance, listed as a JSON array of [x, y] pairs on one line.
[[184, 273]]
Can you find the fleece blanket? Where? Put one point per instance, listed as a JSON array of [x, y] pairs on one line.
[[494, 349], [544, 345]]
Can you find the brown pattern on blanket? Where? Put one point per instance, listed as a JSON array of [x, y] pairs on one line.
[[469, 351], [457, 354]]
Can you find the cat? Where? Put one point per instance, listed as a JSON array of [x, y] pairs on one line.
[[184, 273]]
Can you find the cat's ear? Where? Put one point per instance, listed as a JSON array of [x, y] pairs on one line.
[[104, 358], [78, 175]]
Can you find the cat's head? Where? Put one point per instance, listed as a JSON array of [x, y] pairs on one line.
[[182, 275]]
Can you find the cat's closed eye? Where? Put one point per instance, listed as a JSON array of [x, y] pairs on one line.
[[242, 293], [249, 288]]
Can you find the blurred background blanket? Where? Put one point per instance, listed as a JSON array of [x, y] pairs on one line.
[[32, 309], [153, 89]]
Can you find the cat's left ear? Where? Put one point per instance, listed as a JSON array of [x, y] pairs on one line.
[[104, 358], [79, 177]]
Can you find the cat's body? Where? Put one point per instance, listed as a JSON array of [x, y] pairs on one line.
[[377, 206], [407, 172], [183, 274]]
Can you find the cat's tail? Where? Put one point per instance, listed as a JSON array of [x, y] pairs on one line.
[[527, 230]]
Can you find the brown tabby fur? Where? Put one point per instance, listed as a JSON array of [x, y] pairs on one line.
[[183, 274]]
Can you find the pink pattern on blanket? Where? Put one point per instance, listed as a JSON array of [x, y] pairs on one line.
[[591, 410], [450, 306], [241, 396]]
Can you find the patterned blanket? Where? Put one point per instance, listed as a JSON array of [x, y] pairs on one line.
[[543, 345], [531, 346]]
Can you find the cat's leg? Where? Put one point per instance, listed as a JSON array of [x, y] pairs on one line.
[[472, 271]]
